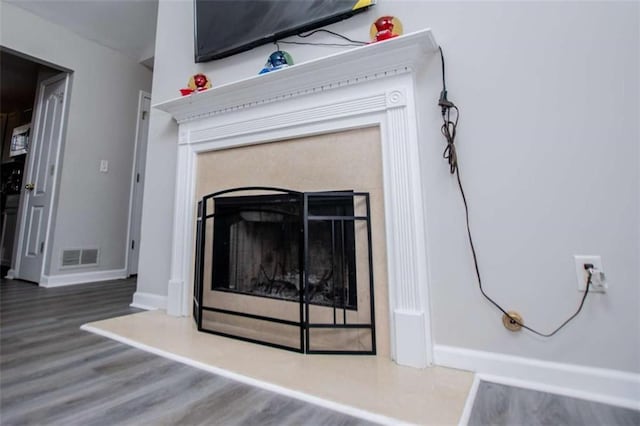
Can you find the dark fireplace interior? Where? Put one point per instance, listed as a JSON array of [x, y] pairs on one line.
[[258, 248]]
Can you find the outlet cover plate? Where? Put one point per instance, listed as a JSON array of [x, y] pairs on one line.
[[581, 273]]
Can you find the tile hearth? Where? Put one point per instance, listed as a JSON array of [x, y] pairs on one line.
[[374, 388]]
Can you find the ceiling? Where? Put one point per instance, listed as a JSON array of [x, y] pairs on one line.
[[128, 26]]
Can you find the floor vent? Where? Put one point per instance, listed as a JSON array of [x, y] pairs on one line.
[[79, 257]]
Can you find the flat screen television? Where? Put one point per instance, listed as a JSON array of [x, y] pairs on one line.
[[226, 27]]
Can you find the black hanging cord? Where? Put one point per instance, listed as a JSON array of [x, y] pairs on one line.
[[448, 130], [449, 127], [302, 43], [322, 30], [350, 42]]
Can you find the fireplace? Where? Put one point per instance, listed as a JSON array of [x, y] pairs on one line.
[[287, 269], [257, 250], [343, 92]]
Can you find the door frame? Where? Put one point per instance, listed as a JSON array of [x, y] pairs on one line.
[[14, 272], [138, 144]]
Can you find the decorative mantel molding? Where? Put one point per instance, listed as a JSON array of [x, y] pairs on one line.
[[367, 86], [380, 60]]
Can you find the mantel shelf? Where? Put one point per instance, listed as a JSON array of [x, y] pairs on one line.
[[370, 62]]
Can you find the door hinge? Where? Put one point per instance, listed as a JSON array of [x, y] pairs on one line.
[[41, 246], [52, 169], [144, 115], [137, 177], [133, 244]]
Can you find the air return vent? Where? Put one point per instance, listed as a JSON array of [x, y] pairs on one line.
[[89, 257], [79, 257], [71, 257]]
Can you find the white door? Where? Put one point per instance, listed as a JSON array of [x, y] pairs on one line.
[[39, 179], [142, 135]]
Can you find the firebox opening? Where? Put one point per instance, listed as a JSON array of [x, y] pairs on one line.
[[292, 270], [258, 248]]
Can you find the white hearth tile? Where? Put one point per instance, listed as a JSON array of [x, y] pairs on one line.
[[369, 384]]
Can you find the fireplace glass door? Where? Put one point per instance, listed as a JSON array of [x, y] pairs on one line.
[[286, 269]]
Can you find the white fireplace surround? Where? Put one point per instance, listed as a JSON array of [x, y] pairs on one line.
[[373, 85]]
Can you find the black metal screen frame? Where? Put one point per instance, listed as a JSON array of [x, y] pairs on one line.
[[303, 323], [308, 217]]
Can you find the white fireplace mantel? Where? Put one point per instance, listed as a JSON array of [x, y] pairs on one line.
[[372, 85]]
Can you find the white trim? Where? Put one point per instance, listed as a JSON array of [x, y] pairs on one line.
[[402, 54], [148, 301], [141, 95], [11, 274], [176, 301], [468, 405], [332, 405], [410, 334], [348, 90], [612, 387], [82, 278]]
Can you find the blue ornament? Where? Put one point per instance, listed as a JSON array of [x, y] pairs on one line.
[[277, 60]]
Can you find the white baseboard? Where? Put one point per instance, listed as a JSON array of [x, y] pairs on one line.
[[11, 274], [82, 278], [596, 384], [148, 301]]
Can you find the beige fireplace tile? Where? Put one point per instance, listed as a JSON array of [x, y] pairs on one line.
[[371, 383], [346, 160]]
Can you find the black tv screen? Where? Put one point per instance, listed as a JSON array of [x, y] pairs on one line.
[[226, 27]]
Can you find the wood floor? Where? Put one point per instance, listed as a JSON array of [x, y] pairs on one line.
[[52, 373], [497, 404]]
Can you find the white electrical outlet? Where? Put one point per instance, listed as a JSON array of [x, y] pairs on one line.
[[597, 283], [104, 166]]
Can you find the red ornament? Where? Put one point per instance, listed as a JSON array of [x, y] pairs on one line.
[[201, 81], [197, 83], [385, 27]]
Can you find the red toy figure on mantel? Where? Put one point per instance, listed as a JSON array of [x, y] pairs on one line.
[[385, 27], [197, 83]]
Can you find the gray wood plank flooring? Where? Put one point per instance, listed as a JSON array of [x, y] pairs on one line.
[[497, 404], [53, 373]]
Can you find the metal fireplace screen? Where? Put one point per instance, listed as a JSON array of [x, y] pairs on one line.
[[286, 269]]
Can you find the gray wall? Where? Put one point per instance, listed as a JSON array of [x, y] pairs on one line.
[[548, 145], [92, 206]]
